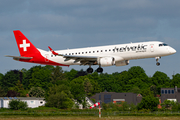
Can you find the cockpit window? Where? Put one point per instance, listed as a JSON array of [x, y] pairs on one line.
[[164, 44]]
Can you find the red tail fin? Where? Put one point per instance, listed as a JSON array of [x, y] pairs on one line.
[[26, 48]]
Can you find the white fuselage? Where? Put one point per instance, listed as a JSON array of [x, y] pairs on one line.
[[119, 52]]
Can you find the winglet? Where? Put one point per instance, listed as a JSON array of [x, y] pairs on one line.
[[54, 53]]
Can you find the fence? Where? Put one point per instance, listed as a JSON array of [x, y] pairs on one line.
[[95, 113]]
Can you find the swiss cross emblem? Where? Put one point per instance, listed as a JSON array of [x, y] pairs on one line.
[[24, 45]]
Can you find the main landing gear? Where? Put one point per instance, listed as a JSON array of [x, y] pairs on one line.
[[157, 59], [99, 70], [90, 70]]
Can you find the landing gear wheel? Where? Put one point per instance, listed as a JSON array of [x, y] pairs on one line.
[[99, 70], [157, 59], [157, 63], [89, 70]]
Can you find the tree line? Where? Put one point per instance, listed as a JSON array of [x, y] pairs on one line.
[[63, 87]]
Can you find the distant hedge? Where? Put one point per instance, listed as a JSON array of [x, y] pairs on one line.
[[17, 104]]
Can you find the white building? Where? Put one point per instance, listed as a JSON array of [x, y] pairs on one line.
[[32, 102], [88, 103]]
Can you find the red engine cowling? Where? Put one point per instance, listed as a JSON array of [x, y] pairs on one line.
[[122, 63], [106, 61]]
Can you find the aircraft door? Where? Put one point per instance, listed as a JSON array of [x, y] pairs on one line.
[[152, 47], [46, 57]]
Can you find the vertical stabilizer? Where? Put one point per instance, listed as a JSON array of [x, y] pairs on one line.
[[26, 48]]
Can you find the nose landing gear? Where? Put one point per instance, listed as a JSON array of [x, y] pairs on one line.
[[157, 59], [157, 63]]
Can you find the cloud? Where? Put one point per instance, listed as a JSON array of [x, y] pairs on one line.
[[86, 16]]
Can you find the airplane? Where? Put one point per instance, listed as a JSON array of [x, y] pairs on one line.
[[118, 55]]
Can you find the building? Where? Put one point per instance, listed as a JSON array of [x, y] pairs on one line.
[[88, 103], [114, 97], [32, 102], [172, 94]]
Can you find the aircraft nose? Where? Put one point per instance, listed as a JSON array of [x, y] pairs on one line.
[[172, 50]]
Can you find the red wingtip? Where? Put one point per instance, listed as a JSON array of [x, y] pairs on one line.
[[52, 51]]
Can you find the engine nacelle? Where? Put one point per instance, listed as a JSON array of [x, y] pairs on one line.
[[106, 61], [122, 63]]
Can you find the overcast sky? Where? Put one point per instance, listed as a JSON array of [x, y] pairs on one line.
[[64, 24]]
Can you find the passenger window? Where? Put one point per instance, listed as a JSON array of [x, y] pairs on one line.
[[97, 51], [86, 52], [93, 51], [79, 52], [105, 50], [76, 53], [69, 53], [109, 49], [101, 50], [89, 51], [82, 52], [72, 53]]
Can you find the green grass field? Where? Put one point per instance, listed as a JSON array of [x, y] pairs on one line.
[[88, 118]]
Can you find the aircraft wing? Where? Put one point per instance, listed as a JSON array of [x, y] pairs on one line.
[[19, 57], [84, 60]]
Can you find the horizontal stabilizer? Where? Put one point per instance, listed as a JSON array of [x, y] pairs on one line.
[[19, 57]]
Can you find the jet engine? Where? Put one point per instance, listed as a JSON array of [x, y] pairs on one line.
[[106, 61], [122, 63]]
